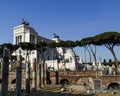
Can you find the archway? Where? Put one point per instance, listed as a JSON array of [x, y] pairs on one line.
[[64, 81], [13, 84], [114, 86], [49, 81], [13, 81]]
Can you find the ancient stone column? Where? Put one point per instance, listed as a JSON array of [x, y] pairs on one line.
[[28, 78], [1, 62], [34, 75], [18, 75], [40, 76], [5, 72], [45, 72]]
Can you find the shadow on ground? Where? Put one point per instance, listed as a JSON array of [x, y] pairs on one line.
[[47, 93]]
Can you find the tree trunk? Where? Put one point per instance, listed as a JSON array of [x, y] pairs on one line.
[[93, 51], [115, 58], [5, 72], [18, 76], [89, 54]]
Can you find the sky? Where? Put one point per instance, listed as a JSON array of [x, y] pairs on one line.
[[70, 19]]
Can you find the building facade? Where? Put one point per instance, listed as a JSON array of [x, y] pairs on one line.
[[55, 58]]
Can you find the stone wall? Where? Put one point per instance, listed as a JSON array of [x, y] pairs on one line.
[[82, 77]]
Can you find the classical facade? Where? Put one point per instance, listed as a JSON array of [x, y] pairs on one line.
[[55, 58]]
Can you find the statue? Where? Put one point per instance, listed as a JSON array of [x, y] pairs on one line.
[[24, 22], [55, 36]]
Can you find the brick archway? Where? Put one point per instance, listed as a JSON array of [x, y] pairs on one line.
[[64, 81], [13, 81], [113, 85]]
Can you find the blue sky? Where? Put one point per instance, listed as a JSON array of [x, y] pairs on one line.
[[70, 19]]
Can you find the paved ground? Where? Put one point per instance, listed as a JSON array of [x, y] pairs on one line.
[[55, 90]]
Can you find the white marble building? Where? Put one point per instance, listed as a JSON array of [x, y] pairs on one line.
[[55, 58]]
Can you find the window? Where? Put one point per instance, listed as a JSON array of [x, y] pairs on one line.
[[48, 57], [66, 60], [70, 59], [97, 84], [18, 39], [32, 52], [32, 38]]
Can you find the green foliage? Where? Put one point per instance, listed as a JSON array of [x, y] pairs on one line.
[[61, 44], [66, 44], [101, 39], [110, 60], [27, 46], [41, 46], [108, 63], [78, 43], [52, 44], [8, 45], [107, 38], [70, 43], [85, 41], [1, 51], [104, 61], [14, 57]]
